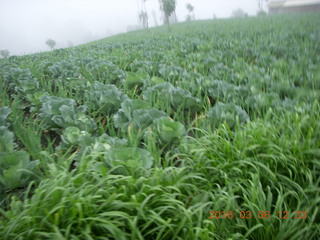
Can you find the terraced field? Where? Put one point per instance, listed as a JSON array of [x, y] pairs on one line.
[[206, 130]]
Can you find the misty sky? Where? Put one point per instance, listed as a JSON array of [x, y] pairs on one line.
[[25, 25]]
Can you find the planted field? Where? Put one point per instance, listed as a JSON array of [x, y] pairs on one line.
[[209, 130]]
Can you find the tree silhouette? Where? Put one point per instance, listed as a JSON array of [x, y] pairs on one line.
[[4, 53], [168, 7], [51, 43], [190, 9]]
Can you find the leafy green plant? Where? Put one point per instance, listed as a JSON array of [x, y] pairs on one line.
[[228, 113], [168, 131], [176, 96], [21, 80], [105, 71], [104, 98], [15, 169], [64, 69], [15, 166], [135, 79], [127, 160], [136, 112], [63, 112], [73, 135], [7, 143]]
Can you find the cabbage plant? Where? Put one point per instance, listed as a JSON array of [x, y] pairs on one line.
[[228, 113], [168, 131], [137, 113], [128, 159], [175, 96], [12, 163], [105, 98], [64, 112], [15, 169]]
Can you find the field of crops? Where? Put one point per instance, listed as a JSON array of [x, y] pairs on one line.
[[206, 130]]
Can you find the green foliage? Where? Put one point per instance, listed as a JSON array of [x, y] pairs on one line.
[[6, 140], [4, 53], [15, 166], [20, 80], [175, 96], [63, 112], [104, 98], [168, 131], [105, 71], [73, 135], [127, 160], [15, 169], [136, 113], [6, 136], [228, 113], [64, 69], [51, 43], [135, 79], [168, 6]]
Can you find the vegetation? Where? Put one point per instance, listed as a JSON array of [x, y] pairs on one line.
[[190, 9], [238, 13], [4, 53], [209, 131], [51, 43], [168, 7], [143, 15]]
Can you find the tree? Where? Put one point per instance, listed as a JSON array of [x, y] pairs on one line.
[[261, 6], [239, 13], [143, 14], [143, 17], [4, 53], [155, 18], [168, 7], [190, 9], [51, 43]]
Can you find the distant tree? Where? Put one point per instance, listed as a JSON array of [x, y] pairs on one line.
[[260, 5], [70, 44], [168, 7], [143, 14], [239, 13], [261, 13], [155, 18], [4, 53], [51, 43], [190, 9], [133, 28], [143, 17]]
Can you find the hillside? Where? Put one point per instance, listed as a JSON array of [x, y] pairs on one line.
[[205, 130]]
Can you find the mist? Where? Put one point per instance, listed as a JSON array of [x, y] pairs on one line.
[[25, 25]]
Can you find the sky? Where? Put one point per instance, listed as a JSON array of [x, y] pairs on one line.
[[25, 25]]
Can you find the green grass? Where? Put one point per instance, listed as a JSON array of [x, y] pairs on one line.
[[222, 179]]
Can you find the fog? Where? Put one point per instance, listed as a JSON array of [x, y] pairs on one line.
[[25, 25]]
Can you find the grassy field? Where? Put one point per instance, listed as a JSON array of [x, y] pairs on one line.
[[206, 130]]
